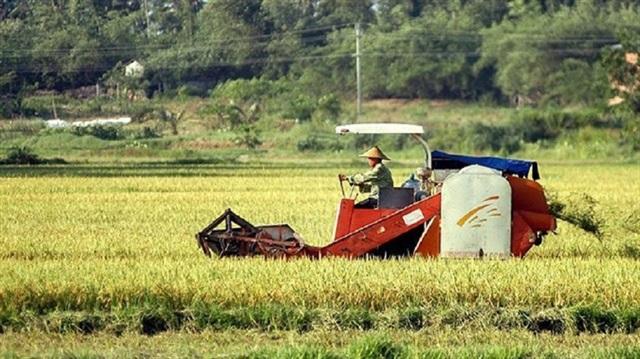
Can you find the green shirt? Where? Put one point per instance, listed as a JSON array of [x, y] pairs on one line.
[[377, 177]]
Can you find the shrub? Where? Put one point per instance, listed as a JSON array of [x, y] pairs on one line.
[[190, 90], [247, 135], [138, 111], [377, 347], [242, 90], [40, 106], [329, 107], [595, 320], [9, 106], [310, 143], [535, 125], [355, 318], [476, 136], [487, 137], [22, 156], [300, 107], [411, 318], [107, 133], [361, 142], [631, 132], [146, 132], [313, 143]]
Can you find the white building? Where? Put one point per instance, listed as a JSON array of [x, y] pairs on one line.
[[134, 69]]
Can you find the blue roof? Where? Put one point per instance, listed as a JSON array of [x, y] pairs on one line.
[[508, 165]]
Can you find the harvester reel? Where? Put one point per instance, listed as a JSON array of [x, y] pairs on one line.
[[241, 238]]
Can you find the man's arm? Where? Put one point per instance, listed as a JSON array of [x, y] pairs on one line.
[[366, 177]]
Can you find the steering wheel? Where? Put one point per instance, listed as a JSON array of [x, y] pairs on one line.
[[351, 188]]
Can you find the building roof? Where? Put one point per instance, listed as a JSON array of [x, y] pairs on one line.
[[134, 69]]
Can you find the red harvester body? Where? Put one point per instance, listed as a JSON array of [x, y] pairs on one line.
[[466, 207], [411, 230]]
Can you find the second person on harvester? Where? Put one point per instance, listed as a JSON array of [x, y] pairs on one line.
[[373, 180]]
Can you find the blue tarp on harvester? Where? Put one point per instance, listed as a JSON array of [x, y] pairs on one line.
[[517, 167]]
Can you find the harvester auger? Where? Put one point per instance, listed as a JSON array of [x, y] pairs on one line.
[[463, 206]]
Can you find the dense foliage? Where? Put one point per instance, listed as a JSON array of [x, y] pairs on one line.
[[542, 51]]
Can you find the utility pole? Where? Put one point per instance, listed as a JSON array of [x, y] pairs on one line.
[[146, 13], [358, 77]]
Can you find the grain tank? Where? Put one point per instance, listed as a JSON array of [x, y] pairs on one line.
[[476, 214]]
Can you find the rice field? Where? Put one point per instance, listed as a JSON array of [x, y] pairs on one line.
[[98, 256]]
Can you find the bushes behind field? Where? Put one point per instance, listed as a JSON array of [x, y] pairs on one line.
[[151, 320], [22, 155], [531, 126], [285, 121], [550, 128]]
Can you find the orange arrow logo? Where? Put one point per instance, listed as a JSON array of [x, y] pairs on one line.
[[475, 218]]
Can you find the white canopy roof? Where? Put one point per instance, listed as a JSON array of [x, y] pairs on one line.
[[399, 128]]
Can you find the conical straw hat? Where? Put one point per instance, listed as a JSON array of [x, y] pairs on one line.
[[375, 152]]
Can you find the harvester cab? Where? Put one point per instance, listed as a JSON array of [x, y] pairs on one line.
[[463, 206]]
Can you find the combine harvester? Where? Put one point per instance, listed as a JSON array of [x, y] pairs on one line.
[[469, 207]]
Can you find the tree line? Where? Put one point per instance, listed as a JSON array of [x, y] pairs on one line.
[[525, 51]]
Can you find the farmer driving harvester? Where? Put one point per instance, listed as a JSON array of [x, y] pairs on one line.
[[454, 206], [373, 180]]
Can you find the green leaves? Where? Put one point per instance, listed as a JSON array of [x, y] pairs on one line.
[[553, 57]]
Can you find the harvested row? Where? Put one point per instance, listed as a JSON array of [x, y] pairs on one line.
[[150, 320], [334, 283]]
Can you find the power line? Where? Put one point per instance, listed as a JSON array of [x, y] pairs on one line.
[[221, 41], [190, 48], [276, 60], [256, 45], [449, 35]]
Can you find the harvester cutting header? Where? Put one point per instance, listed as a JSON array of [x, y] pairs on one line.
[[454, 206]]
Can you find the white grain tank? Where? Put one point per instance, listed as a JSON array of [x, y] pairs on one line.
[[476, 214]]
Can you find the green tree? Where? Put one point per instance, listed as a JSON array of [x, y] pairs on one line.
[[16, 74], [431, 56], [170, 118], [545, 58], [623, 69]]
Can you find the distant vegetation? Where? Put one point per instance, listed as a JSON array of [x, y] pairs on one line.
[[259, 73], [533, 52], [26, 156]]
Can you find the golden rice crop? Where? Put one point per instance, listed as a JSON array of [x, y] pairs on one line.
[[76, 242], [78, 284]]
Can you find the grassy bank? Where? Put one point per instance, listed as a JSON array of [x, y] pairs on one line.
[[486, 343], [548, 133]]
